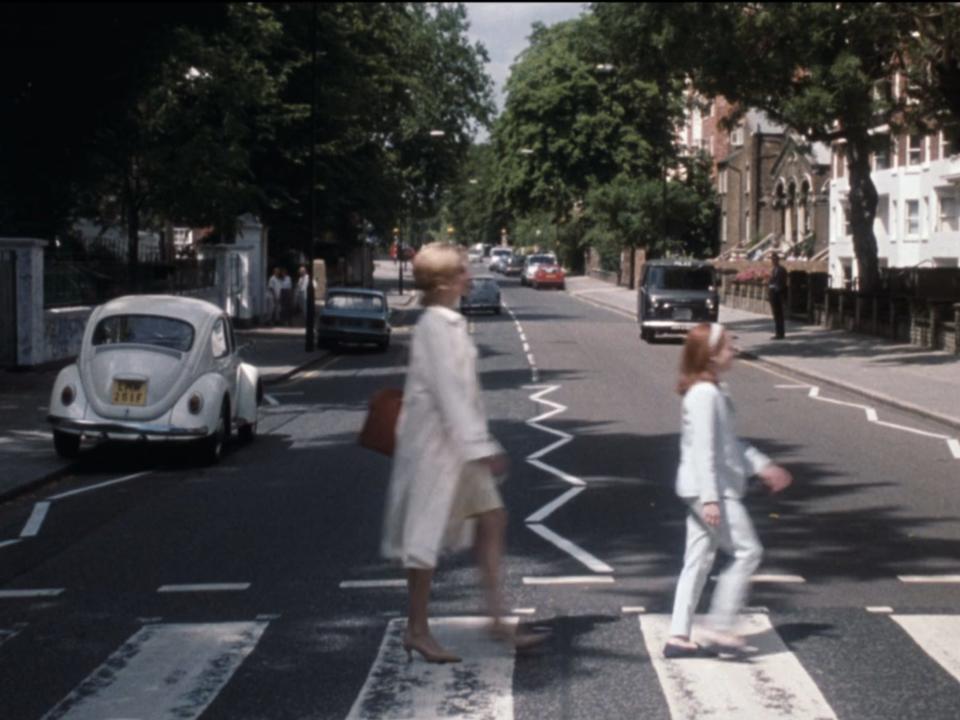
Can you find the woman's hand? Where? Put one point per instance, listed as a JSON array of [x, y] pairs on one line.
[[775, 478], [498, 464], [711, 514]]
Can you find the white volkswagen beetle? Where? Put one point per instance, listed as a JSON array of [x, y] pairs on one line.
[[156, 367]]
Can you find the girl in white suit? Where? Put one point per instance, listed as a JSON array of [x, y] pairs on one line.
[[442, 488], [711, 480]]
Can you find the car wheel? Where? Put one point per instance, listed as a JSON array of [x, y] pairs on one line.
[[650, 336], [66, 445], [246, 433], [212, 446]]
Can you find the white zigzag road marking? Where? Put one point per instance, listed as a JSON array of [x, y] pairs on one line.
[[534, 521], [871, 413]]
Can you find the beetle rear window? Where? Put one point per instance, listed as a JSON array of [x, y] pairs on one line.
[[355, 302], [144, 330]]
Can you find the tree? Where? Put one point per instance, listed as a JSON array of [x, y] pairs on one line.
[[816, 67]]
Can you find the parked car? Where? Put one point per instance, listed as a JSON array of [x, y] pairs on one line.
[[156, 367], [354, 315], [674, 296], [549, 276], [532, 263], [499, 257], [515, 266], [484, 294]]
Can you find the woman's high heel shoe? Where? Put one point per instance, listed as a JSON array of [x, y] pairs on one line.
[[435, 654]]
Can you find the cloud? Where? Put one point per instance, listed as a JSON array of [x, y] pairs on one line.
[[504, 29]]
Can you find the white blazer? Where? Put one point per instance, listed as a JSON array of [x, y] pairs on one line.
[[442, 426], [714, 462]]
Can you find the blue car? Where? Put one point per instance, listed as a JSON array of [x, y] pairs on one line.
[[354, 315], [483, 294]]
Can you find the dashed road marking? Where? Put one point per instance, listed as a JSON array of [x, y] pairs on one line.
[[204, 587], [35, 521], [570, 580], [30, 593], [929, 579], [98, 486], [365, 584]]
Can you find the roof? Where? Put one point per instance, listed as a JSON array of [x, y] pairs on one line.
[[355, 291], [674, 262], [185, 308]]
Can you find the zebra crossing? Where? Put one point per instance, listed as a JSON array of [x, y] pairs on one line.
[[893, 661]]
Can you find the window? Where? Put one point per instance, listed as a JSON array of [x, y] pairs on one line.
[[949, 209], [746, 180], [722, 182], [944, 146], [913, 217], [144, 330], [914, 149], [746, 227], [723, 230], [881, 158], [847, 227], [883, 214], [218, 340], [736, 137]]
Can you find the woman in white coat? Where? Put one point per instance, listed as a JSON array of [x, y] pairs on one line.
[[442, 487], [711, 480]]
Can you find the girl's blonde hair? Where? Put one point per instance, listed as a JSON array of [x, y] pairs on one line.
[[435, 267], [696, 362]]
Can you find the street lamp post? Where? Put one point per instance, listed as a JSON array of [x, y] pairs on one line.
[[310, 299]]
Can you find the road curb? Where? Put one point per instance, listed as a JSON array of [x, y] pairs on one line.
[[850, 387], [818, 378], [31, 485]]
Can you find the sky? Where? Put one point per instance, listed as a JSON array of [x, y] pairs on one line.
[[503, 28]]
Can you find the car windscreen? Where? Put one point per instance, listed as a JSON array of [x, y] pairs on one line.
[[349, 301], [517, 261], [542, 260], [679, 278], [144, 330], [482, 284]]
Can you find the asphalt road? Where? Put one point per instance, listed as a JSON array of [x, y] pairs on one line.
[[109, 620]]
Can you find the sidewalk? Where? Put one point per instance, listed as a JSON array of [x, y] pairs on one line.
[[915, 379], [27, 457]]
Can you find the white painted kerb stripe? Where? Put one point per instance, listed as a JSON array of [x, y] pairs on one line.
[[771, 685], [40, 592], [938, 635], [204, 587], [479, 687], [163, 671], [570, 548], [78, 491]]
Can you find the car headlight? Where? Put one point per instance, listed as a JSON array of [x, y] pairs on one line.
[[195, 404], [68, 395], [710, 304]]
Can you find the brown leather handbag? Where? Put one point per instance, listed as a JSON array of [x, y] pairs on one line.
[[380, 428]]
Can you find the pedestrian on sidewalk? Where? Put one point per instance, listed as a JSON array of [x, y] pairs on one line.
[[778, 291], [286, 297], [711, 481], [275, 284], [442, 487]]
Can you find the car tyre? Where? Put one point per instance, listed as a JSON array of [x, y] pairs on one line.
[[212, 446], [66, 444], [246, 433], [649, 335]]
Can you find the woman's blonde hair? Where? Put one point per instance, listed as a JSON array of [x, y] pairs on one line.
[[696, 362], [435, 268]]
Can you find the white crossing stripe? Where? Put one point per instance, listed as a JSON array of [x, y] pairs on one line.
[[362, 584], [771, 685], [30, 593], [204, 587], [929, 579], [35, 520], [481, 686], [570, 580], [162, 672], [938, 635]]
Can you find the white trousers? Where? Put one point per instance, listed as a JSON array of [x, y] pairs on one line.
[[736, 537]]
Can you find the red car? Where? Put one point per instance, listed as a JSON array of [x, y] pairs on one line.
[[549, 276]]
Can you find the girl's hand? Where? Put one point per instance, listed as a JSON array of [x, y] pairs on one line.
[[776, 478], [711, 514]]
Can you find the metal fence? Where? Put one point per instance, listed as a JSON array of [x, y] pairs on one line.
[[69, 281]]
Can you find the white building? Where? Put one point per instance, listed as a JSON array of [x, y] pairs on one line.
[[918, 213]]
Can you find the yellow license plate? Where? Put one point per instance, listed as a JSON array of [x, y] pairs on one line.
[[129, 392]]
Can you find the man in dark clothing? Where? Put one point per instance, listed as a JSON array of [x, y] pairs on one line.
[[778, 291]]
